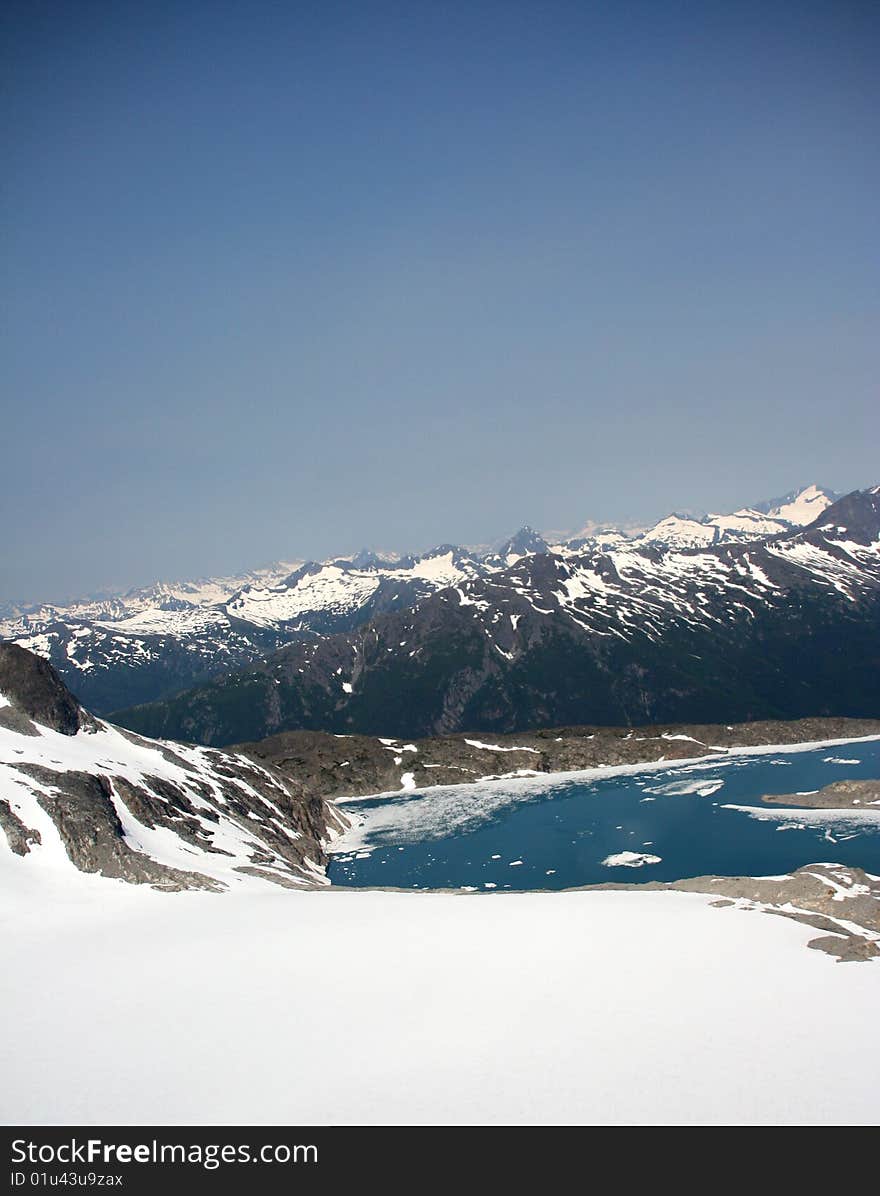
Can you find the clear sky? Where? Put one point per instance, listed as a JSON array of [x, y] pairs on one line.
[[283, 279]]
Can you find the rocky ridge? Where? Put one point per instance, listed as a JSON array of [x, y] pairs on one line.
[[78, 792]]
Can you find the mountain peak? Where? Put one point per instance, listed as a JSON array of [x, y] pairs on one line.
[[524, 542], [854, 517], [799, 507]]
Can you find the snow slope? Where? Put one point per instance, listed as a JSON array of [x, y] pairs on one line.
[[126, 1006], [803, 506]]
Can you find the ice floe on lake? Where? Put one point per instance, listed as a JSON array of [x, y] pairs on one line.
[[630, 859]]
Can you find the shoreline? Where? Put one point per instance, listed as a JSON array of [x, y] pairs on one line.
[[839, 900], [546, 779]]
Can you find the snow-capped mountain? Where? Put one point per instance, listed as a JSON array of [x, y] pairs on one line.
[[146, 644], [335, 595], [76, 792], [593, 530], [771, 628], [150, 653], [773, 518], [798, 507], [161, 596], [149, 643], [146, 641]]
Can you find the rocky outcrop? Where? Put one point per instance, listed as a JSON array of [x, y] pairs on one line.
[[35, 690], [842, 902], [82, 808], [19, 836], [839, 795], [140, 811]]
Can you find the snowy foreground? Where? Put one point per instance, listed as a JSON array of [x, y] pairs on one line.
[[123, 1005]]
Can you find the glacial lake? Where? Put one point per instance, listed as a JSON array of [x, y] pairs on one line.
[[561, 830]]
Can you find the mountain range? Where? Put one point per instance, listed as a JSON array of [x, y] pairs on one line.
[[121, 650], [783, 626]]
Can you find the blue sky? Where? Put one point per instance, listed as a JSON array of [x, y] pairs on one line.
[[286, 279]]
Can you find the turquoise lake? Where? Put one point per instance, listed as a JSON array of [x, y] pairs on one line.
[[560, 830]]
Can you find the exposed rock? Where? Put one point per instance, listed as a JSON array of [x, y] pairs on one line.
[[13, 719], [93, 836], [20, 837], [841, 901], [839, 795], [34, 688], [334, 766], [153, 813]]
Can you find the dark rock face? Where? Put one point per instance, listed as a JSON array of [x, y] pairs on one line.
[[526, 540], [855, 517], [93, 837], [34, 688]]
